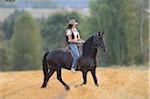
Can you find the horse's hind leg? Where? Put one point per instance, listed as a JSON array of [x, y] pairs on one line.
[[93, 72], [60, 79], [46, 77]]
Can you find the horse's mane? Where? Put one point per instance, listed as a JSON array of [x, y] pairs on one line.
[[87, 45], [89, 40]]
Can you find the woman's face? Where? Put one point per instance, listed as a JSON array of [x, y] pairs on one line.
[[74, 25]]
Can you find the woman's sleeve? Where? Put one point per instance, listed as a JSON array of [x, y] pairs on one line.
[[68, 32]]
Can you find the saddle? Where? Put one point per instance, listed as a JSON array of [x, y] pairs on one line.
[[69, 54], [79, 48]]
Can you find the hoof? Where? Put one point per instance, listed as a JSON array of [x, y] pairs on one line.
[[67, 87], [97, 85], [83, 84], [43, 86]]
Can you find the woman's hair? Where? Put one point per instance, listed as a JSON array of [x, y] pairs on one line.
[[69, 26]]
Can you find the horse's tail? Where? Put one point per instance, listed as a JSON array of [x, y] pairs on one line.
[[45, 67]]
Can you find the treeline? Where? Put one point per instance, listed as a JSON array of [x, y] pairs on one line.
[[126, 25], [24, 39]]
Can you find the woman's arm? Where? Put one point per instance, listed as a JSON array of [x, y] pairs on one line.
[[79, 38]]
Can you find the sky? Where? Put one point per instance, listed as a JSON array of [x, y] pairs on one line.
[[78, 4]]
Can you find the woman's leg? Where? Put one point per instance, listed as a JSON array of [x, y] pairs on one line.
[[75, 54]]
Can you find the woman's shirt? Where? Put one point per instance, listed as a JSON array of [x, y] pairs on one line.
[[74, 31]]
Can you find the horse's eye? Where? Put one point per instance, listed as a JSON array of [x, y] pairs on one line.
[[100, 38]]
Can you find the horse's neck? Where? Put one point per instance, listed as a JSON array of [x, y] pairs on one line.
[[88, 49]]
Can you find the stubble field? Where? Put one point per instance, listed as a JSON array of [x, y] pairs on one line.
[[115, 83]]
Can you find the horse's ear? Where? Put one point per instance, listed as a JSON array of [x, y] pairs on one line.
[[102, 33], [99, 33]]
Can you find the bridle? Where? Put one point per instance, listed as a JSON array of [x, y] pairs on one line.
[[95, 42], [96, 45]]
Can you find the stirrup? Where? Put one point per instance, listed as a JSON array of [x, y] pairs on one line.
[[68, 49], [73, 70]]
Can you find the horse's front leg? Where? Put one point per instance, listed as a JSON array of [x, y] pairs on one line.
[[84, 75], [93, 72], [60, 79]]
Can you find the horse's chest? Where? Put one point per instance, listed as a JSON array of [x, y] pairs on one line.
[[88, 62]]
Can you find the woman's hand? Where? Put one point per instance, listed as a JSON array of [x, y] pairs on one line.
[[81, 41]]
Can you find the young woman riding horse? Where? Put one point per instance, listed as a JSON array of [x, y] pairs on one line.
[[62, 58], [73, 38]]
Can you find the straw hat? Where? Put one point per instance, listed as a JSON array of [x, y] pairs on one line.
[[73, 22]]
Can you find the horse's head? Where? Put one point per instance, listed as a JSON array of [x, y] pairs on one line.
[[99, 41]]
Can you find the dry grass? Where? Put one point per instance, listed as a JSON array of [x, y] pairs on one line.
[[123, 83]]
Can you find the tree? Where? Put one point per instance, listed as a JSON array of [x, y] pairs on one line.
[[26, 42], [120, 20], [4, 64], [9, 23], [137, 31], [107, 16]]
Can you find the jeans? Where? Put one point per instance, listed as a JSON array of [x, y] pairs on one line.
[[75, 54]]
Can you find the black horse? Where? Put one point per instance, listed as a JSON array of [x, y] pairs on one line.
[[55, 60]]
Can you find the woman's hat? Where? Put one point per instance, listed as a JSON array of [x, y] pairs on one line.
[[73, 22]]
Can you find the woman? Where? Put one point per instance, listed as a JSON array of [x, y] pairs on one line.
[[73, 38]]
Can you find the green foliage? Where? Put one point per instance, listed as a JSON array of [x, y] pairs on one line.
[[26, 42], [136, 29], [121, 22], [107, 16], [9, 23], [125, 23], [4, 64]]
